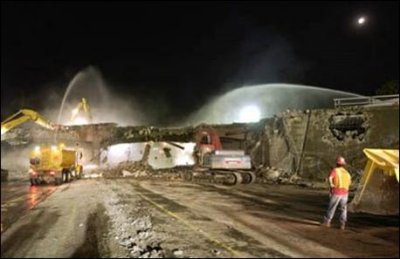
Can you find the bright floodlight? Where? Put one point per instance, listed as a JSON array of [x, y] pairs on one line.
[[75, 112], [361, 20], [79, 121], [249, 114]]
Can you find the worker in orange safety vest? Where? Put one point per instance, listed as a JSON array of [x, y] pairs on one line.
[[339, 182]]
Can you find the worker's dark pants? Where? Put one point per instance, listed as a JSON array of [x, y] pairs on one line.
[[336, 200]]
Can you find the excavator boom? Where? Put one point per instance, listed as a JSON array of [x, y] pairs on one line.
[[22, 116]]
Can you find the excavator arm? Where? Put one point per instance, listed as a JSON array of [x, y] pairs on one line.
[[83, 105], [22, 116]]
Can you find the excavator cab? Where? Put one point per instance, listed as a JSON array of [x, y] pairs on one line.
[[207, 141], [378, 191]]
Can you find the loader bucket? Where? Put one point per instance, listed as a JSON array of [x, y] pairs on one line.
[[378, 191]]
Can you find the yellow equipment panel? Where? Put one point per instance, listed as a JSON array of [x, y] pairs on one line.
[[52, 158], [378, 191]]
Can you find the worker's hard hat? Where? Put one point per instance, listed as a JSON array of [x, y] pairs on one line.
[[340, 161]]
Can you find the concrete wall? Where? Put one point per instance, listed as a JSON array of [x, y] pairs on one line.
[[308, 142], [322, 146]]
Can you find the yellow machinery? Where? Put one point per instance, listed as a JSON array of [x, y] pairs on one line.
[[48, 163], [22, 116], [54, 163], [378, 191], [18, 118], [83, 105]]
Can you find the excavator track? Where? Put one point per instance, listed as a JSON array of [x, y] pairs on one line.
[[223, 177]]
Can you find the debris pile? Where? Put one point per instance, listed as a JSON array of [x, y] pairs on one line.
[[127, 168], [134, 234], [137, 169], [272, 175]]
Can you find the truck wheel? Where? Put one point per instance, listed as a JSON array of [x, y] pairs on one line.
[[67, 176], [64, 176]]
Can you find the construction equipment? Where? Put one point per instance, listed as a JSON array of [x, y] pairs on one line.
[[82, 105], [378, 190], [56, 164], [17, 119], [48, 163], [227, 166], [22, 116]]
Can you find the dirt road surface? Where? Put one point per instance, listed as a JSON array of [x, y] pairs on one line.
[[155, 219]]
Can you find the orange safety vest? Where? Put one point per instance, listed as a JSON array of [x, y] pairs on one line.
[[342, 180]]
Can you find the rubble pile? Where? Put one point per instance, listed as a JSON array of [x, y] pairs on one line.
[[137, 169], [127, 168], [134, 234], [171, 174], [265, 175], [291, 113], [272, 175]]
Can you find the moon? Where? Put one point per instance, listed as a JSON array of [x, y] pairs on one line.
[[361, 20]]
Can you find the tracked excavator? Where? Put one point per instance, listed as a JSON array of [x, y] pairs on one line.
[[217, 165], [378, 190]]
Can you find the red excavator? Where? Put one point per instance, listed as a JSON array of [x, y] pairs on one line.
[[212, 161]]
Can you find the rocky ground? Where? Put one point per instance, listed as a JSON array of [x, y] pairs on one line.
[[131, 217]]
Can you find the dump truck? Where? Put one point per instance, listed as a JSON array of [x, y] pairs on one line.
[[54, 163], [378, 190], [213, 162]]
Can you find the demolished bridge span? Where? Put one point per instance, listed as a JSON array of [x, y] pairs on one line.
[[298, 142]]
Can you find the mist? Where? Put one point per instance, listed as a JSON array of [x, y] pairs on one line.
[[268, 57], [270, 99], [16, 160], [105, 105]]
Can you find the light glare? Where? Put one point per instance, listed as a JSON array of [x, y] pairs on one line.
[[249, 114]]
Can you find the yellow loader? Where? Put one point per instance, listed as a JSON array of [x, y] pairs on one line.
[[378, 191]]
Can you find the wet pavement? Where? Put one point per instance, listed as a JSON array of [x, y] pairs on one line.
[[151, 218], [17, 198]]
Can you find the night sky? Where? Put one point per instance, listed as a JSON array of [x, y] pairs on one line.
[[184, 53]]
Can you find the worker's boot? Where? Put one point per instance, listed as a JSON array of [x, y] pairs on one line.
[[326, 224]]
